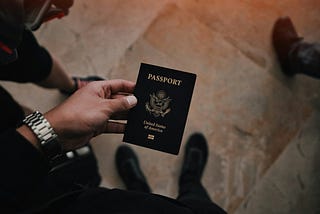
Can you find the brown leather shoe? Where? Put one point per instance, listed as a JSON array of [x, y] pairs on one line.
[[284, 37]]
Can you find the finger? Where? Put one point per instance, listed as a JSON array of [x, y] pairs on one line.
[[116, 96], [107, 88], [120, 116], [121, 104], [119, 85], [117, 121], [115, 127]]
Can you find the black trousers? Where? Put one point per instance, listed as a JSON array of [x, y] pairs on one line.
[[193, 191], [189, 190]]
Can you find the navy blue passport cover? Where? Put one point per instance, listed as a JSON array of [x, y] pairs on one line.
[[159, 118]]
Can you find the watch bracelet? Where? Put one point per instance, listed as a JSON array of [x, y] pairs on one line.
[[45, 134]]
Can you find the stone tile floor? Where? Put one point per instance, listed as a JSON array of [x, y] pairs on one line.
[[253, 117]]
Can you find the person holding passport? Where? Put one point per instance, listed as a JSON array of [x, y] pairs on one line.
[[27, 184]]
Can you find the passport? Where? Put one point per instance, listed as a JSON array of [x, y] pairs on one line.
[[159, 118]]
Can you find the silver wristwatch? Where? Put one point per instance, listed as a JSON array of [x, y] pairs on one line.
[[42, 129]]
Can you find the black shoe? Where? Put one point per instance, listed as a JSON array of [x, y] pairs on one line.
[[80, 82], [195, 159], [129, 170], [284, 36]]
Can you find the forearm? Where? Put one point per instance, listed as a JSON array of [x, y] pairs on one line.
[[58, 78]]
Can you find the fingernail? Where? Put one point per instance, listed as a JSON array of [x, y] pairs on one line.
[[132, 100]]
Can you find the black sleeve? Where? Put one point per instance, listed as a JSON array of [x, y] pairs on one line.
[[34, 62], [22, 168], [11, 112]]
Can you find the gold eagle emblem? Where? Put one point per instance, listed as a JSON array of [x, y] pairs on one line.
[[158, 104]]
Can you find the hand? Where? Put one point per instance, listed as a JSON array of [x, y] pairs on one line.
[[86, 113]]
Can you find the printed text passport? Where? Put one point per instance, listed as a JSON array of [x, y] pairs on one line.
[[159, 118]]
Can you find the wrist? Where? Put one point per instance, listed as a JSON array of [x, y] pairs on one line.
[[29, 135], [55, 122], [39, 132]]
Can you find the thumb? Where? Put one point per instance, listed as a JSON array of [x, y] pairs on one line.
[[122, 104]]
